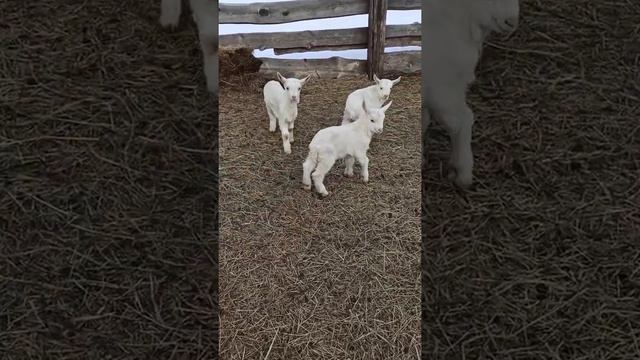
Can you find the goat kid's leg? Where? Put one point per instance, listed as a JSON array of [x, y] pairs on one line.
[[323, 167], [459, 124], [307, 167], [284, 130], [363, 160], [348, 165], [272, 119], [290, 126]]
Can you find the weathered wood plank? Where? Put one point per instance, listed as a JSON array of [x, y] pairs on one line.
[[309, 39], [376, 36], [407, 62], [391, 42], [288, 11]]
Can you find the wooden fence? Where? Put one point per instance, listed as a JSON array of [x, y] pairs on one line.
[[374, 38]]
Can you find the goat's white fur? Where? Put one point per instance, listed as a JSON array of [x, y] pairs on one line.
[[349, 141], [203, 13], [454, 36], [282, 99], [374, 96]]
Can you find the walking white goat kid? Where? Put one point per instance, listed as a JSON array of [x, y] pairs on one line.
[[282, 102], [349, 141], [455, 32], [374, 96]]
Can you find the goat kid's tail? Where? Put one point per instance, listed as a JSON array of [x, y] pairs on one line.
[[170, 11]]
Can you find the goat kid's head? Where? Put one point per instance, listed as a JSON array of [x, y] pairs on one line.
[[502, 15], [292, 86], [374, 117], [383, 86]]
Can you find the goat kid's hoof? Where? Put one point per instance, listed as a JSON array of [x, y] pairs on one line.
[[348, 174], [324, 194], [287, 150], [306, 187]]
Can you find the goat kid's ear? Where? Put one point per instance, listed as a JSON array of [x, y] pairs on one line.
[[384, 108], [375, 77], [281, 78], [397, 80], [364, 106], [304, 81]]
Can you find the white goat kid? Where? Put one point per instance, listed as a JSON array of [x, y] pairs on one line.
[[282, 99], [374, 96], [203, 13], [349, 141], [455, 33]]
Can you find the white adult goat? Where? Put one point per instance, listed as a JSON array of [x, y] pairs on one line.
[[203, 13], [374, 96], [349, 141], [454, 36], [282, 99]]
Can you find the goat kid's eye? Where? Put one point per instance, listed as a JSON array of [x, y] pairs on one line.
[[372, 120]]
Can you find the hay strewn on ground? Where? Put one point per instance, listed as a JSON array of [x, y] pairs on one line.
[[310, 278], [107, 204], [542, 259]]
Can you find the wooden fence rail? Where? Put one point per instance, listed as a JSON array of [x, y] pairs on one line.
[[374, 38], [297, 10]]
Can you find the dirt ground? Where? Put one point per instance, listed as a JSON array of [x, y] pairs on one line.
[[541, 260], [107, 210], [108, 192], [310, 278]]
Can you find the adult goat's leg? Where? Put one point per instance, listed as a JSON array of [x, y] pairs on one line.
[[170, 12], [459, 123], [208, 44], [204, 15], [426, 121]]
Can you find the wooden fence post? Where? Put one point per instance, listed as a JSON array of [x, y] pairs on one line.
[[377, 36]]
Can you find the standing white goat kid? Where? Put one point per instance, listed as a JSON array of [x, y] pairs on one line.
[[349, 141], [282, 102], [203, 13], [454, 36], [374, 96]]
